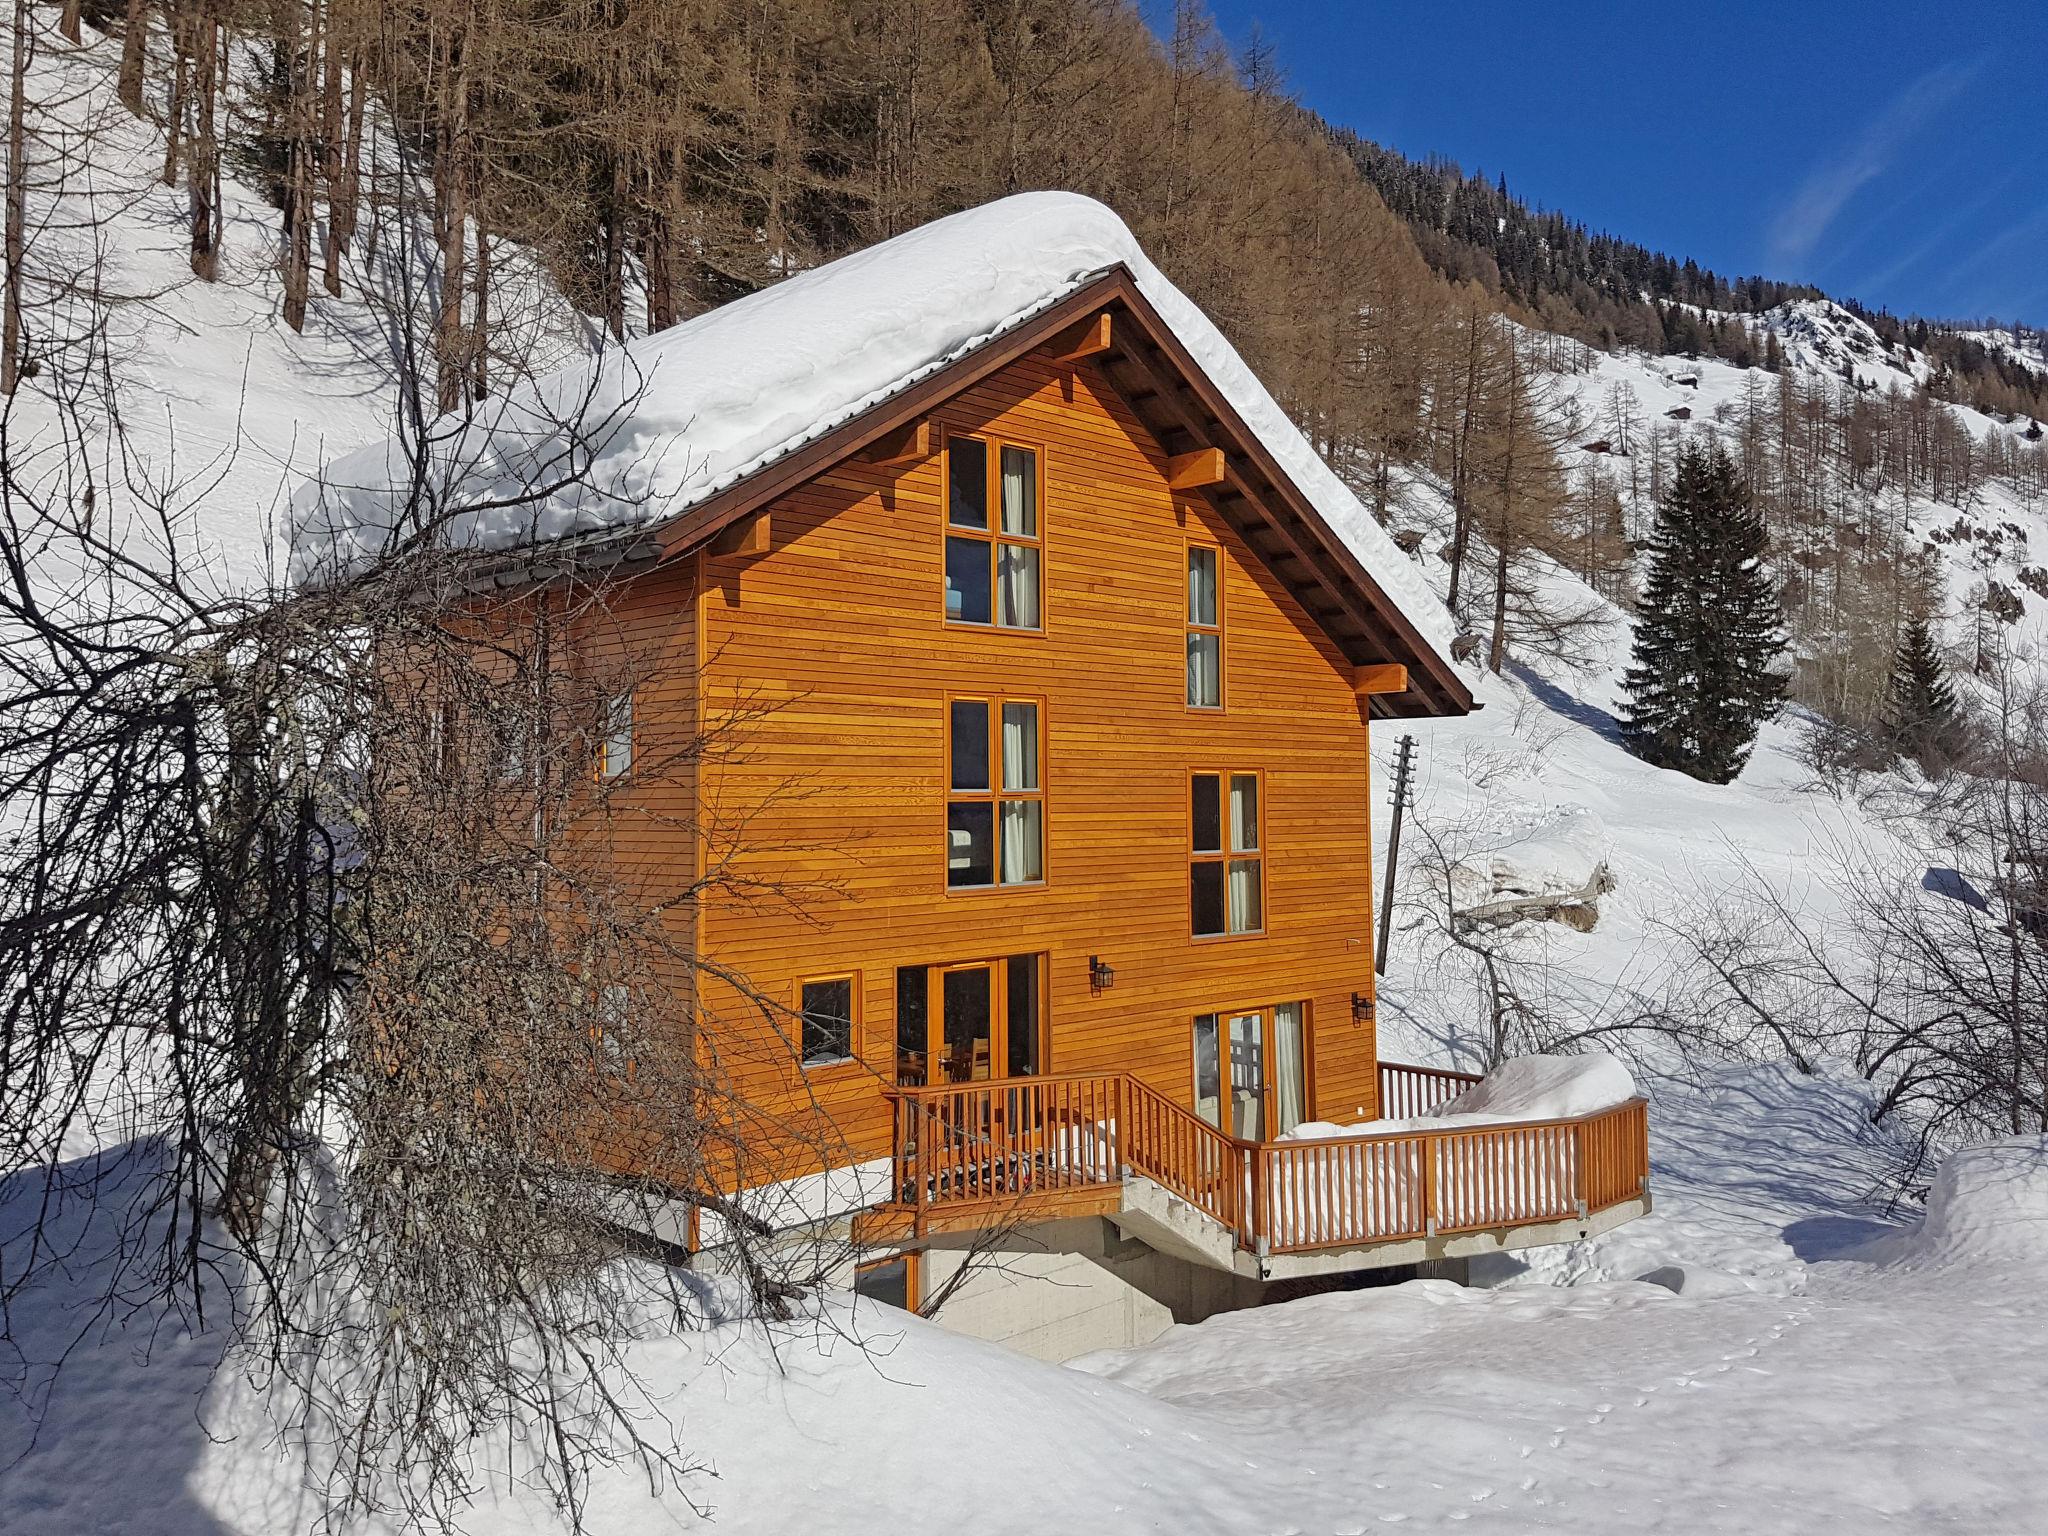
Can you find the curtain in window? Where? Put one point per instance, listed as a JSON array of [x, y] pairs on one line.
[[1246, 915], [1023, 841], [1290, 1069], [1201, 586], [1244, 813], [1017, 586], [1020, 493], [1205, 670], [1020, 746], [1023, 820]]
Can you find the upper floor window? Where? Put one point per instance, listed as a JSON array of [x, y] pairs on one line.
[[615, 744], [995, 793], [992, 562], [1226, 860], [1205, 627]]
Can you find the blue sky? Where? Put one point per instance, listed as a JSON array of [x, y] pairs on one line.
[[1896, 153]]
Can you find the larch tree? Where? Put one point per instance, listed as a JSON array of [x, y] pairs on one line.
[[1703, 677]]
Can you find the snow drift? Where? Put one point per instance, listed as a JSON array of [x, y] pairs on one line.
[[1988, 1204], [1520, 1088], [646, 431], [1545, 1088]]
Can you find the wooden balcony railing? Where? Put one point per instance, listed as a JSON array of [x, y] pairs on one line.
[[1406, 1091], [1004, 1146]]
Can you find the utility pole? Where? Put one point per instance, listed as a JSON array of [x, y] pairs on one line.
[[1404, 768]]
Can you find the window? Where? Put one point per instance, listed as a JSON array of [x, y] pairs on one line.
[[1226, 868], [615, 744], [614, 1016], [1205, 628], [1251, 1070], [913, 1024], [894, 1281], [992, 570], [827, 1008], [995, 793]]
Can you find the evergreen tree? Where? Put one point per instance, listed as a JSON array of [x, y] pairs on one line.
[[1920, 706], [1708, 630]]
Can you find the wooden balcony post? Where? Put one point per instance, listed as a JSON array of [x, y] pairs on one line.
[[910, 1112], [1429, 1146], [1254, 1157], [1582, 1174]]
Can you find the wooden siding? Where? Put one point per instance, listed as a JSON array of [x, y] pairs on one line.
[[837, 798]]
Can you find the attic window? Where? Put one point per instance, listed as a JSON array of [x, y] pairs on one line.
[[992, 565]]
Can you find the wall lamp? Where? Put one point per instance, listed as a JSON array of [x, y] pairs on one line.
[[1101, 975], [1361, 1008]]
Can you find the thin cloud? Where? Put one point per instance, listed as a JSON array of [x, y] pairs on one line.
[[1800, 225]]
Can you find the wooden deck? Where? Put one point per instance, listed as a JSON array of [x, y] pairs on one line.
[[1029, 1149]]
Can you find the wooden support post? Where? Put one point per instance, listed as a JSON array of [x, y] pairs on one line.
[[1192, 471]]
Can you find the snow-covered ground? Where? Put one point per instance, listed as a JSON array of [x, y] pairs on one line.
[[1775, 1371]]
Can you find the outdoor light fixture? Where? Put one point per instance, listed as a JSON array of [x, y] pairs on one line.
[[1361, 1008], [1101, 976]]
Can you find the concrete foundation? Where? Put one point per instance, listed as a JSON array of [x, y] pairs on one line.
[[1058, 1289]]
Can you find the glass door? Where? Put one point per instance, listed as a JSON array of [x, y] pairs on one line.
[[1248, 1076], [967, 1023], [1251, 1070], [964, 1042]]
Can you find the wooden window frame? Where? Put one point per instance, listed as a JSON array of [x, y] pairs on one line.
[[992, 703], [1268, 1036], [1190, 627], [1227, 853], [852, 1058], [992, 536], [912, 1261]]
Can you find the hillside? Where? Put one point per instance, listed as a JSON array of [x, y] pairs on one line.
[[1615, 293]]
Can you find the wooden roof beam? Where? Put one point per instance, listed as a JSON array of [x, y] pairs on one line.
[[1379, 677], [1088, 338], [751, 535], [1192, 471], [907, 444]]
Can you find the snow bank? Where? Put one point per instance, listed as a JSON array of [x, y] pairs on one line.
[[1987, 1204], [670, 420]]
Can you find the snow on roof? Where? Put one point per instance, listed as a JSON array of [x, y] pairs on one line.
[[671, 419]]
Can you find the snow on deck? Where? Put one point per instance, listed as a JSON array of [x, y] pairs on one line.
[[672, 419]]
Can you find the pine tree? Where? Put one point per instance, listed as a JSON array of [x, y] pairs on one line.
[[1920, 707], [1708, 631]]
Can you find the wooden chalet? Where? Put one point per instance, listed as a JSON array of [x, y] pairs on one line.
[[1066, 679]]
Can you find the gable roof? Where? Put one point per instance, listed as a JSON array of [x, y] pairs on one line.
[[677, 434]]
